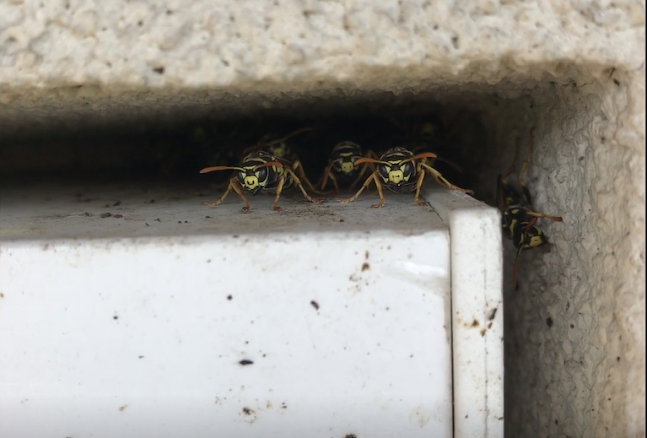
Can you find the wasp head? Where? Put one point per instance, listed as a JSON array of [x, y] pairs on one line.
[[396, 166]]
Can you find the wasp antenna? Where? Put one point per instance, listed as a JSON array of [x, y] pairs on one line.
[[368, 160], [298, 131], [270, 163], [217, 168], [423, 155]]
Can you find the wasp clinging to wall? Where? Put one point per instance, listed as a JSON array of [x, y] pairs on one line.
[[402, 172], [342, 165], [518, 220], [261, 172]]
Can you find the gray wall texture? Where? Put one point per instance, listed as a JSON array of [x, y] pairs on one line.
[[575, 70]]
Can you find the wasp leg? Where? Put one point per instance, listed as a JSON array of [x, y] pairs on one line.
[[361, 174], [443, 181], [536, 214], [233, 185], [420, 180], [298, 167], [279, 189], [297, 182], [524, 167], [514, 269], [372, 177], [324, 181]]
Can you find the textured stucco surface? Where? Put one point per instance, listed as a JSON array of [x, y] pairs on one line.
[[575, 331]]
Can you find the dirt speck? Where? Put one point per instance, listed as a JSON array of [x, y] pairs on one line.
[[115, 317], [118, 216], [246, 362], [366, 254], [116, 204], [229, 297], [492, 314], [549, 321], [489, 325], [365, 267], [350, 435], [314, 304], [482, 332], [105, 215], [475, 323], [122, 408], [2, 296]]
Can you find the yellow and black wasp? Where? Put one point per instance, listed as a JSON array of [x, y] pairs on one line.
[[518, 217], [400, 171], [261, 172], [342, 165], [283, 153]]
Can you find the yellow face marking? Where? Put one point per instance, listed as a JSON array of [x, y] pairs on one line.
[[396, 176], [251, 181], [347, 167], [535, 241]]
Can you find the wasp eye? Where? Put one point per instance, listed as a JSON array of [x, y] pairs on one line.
[[384, 170], [262, 174]]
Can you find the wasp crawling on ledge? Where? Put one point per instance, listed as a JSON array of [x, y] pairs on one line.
[[261, 172], [342, 165], [402, 172], [519, 218]]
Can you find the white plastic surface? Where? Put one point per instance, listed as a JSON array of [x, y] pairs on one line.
[[139, 325], [477, 313]]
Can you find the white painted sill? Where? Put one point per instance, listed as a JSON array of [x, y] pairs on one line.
[[321, 320]]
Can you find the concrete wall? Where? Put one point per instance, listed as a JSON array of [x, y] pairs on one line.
[[575, 330]]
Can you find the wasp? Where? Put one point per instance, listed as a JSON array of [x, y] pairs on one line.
[[402, 172], [282, 152], [342, 165], [518, 217], [261, 172]]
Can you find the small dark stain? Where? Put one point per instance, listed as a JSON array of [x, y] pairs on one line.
[[2, 296], [365, 266], [475, 323], [229, 297], [618, 359], [122, 408], [246, 362], [152, 201], [141, 357], [350, 435], [284, 406], [572, 326], [492, 314], [366, 254], [314, 304], [455, 42], [105, 215], [489, 325], [179, 222], [341, 220], [482, 332], [209, 261], [248, 411], [169, 12], [224, 62], [118, 216], [466, 416], [140, 23], [159, 70], [388, 308], [158, 220], [115, 317], [549, 321], [87, 214], [235, 236], [116, 204], [556, 422], [46, 247], [146, 223], [617, 82], [207, 217]]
